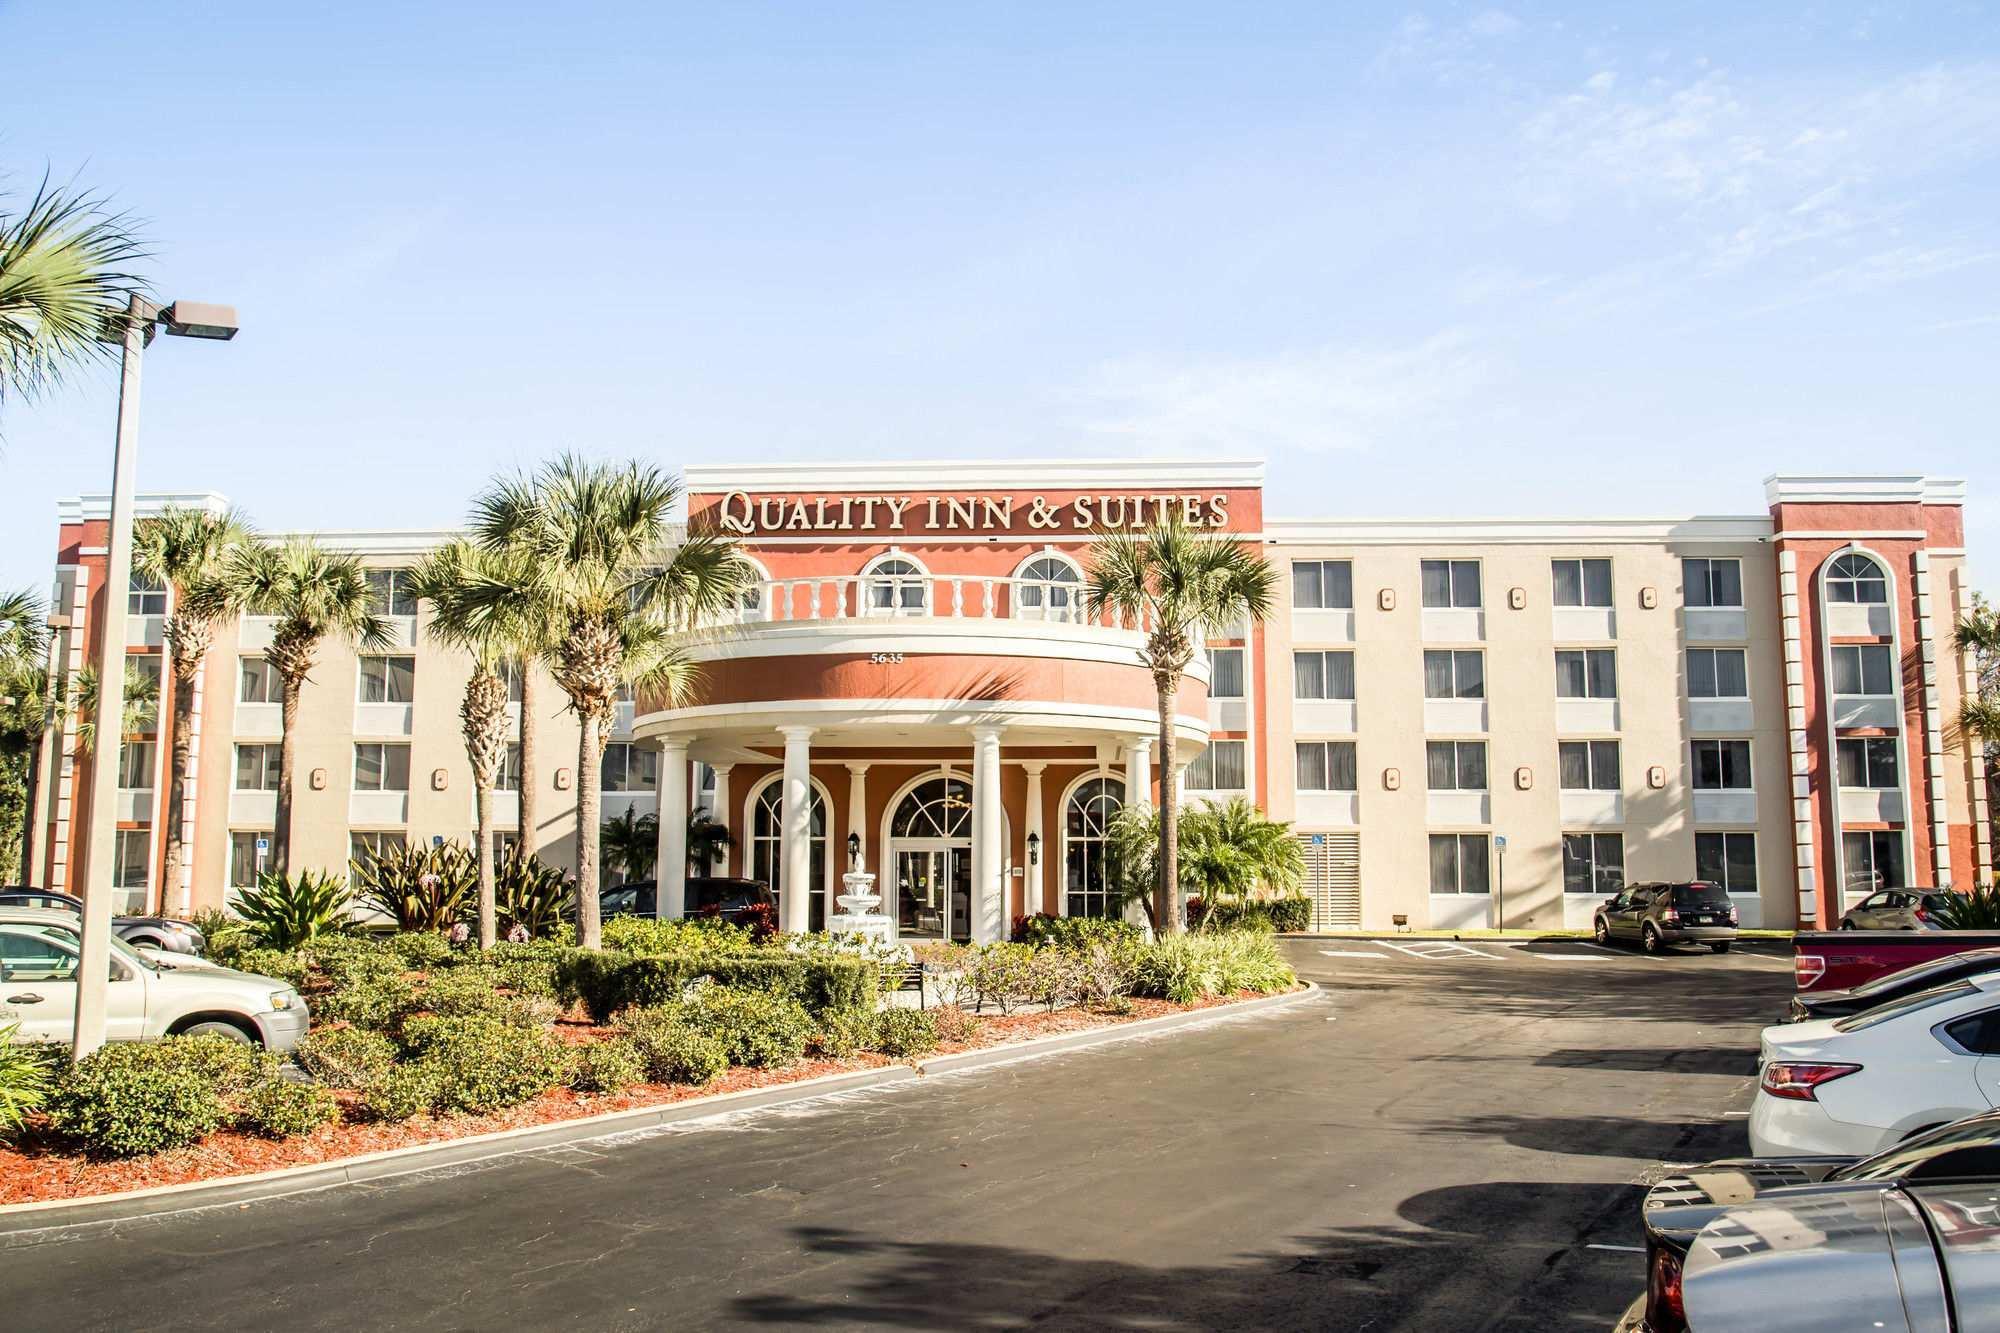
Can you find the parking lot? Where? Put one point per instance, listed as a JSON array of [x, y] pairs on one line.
[[1447, 1138]]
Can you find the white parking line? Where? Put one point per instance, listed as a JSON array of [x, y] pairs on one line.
[[1353, 953], [1436, 950], [1564, 957]]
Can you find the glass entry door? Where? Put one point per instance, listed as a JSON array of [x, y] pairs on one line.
[[934, 891]]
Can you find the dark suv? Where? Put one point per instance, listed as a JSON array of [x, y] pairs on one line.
[[1656, 915], [731, 899]]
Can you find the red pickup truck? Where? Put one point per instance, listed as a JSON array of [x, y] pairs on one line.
[[1839, 959]]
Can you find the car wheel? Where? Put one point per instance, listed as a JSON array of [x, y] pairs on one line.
[[1603, 931], [217, 1027], [1721, 946], [1650, 938], [1845, 924]]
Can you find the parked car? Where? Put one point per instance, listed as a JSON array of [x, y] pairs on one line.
[[1858, 1084], [1680, 1207], [731, 899], [150, 997], [1656, 915], [1838, 959], [1895, 909], [162, 932], [1808, 1005]]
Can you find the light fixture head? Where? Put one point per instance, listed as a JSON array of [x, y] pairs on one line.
[[199, 319]]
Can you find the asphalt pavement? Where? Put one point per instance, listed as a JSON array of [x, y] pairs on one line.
[[1447, 1138]]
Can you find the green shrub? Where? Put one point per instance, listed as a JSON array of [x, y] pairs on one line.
[[421, 949], [952, 1023], [26, 1071], [286, 911], [1977, 909], [280, 1109], [533, 896], [230, 1066], [463, 992], [607, 1066], [484, 1064], [127, 1099], [1074, 932], [905, 1034], [1187, 968], [847, 1033], [673, 1051], [425, 887], [758, 1029], [378, 1000], [1055, 977], [346, 1057], [401, 1091], [607, 982], [278, 964], [1294, 912], [222, 934], [649, 935], [998, 975]]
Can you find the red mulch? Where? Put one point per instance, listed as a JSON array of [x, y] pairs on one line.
[[37, 1169]]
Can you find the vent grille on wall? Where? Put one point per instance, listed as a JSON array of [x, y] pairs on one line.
[[1333, 879]]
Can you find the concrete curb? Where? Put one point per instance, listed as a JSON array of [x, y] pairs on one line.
[[17, 1219]]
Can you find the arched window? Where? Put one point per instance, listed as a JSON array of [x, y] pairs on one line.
[[1856, 578], [940, 808], [767, 852], [1086, 828], [750, 603], [895, 585], [1049, 590]]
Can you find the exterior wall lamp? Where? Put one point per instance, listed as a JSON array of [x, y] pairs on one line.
[[854, 851], [1034, 849]]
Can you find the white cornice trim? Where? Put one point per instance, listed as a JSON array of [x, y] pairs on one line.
[[1058, 474], [1846, 535], [97, 508], [1517, 531], [1862, 488]]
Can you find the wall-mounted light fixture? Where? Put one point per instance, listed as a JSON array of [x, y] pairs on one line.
[[854, 851], [1034, 849]]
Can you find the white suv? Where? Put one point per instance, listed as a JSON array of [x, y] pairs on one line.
[[149, 997]]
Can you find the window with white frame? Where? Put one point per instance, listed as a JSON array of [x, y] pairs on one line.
[[1087, 886], [895, 585], [1593, 863], [258, 682], [134, 864], [630, 768], [244, 863], [1219, 768], [1856, 578], [507, 777], [1866, 761], [1454, 673], [1455, 765], [1873, 858], [391, 592], [1722, 765], [1050, 589], [1728, 859], [143, 673], [375, 842], [1225, 672], [388, 680], [1582, 582], [1863, 668], [767, 850], [148, 596], [1587, 765], [510, 673], [257, 767], [1718, 673], [1322, 585], [1712, 583], [1451, 583], [1586, 673], [1459, 863], [1327, 766], [1323, 675], [137, 761], [380, 766]]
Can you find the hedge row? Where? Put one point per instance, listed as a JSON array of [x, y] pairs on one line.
[[607, 981]]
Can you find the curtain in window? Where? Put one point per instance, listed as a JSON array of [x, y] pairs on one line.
[[1470, 670], [1337, 585], [1597, 583], [1472, 864], [1308, 675], [1444, 863], [1226, 761], [1437, 582], [1227, 665], [1342, 773], [1603, 664], [1311, 765], [1441, 766], [1307, 590], [1437, 675], [1340, 675], [1569, 583], [1572, 676], [1573, 766], [1604, 765], [1472, 766]]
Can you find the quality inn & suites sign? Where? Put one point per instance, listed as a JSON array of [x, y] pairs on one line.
[[746, 515]]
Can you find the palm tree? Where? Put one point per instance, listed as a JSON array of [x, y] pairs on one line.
[[1230, 848], [62, 281], [183, 549], [461, 581], [23, 708], [708, 838], [617, 601], [1180, 585], [631, 843], [314, 593], [1978, 633], [142, 705]]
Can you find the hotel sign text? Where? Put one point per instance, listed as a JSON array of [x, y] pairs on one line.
[[749, 515]]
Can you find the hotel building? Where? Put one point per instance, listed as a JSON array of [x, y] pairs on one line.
[[1467, 721]]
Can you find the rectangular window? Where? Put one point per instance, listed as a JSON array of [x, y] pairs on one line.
[[257, 682], [257, 767], [629, 768], [1458, 863], [388, 680], [1327, 766], [142, 676], [1867, 761], [243, 861], [1587, 765], [1586, 673], [1318, 675], [508, 777], [391, 592], [148, 596], [136, 765], [1593, 863], [1225, 668], [381, 767], [1863, 668], [1728, 859], [511, 673], [1582, 582], [1717, 673], [1220, 768], [135, 858], [1874, 860], [1456, 765], [1454, 673], [1322, 585], [1712, 582], [1451, 583], [1722, 766], [374, 842]]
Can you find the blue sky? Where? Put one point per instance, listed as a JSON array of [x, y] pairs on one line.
[[1531, 259]]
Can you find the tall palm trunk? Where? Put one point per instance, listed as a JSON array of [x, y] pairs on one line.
[[288, 753], [1166, 912], [180, 766], [482, 800], [29, 819], [526, 838], [483, 715], [589, 775]]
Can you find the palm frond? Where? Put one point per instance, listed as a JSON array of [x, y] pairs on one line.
[[24, 630], [181, 545], [63, 281]]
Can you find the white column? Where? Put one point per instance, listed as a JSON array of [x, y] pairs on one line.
[[1031, 883], [989, 892], [857, 812], [795, 832], [670, 874], [1138, 773], [721, 813]]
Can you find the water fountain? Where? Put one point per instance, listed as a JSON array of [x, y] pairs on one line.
[[858, 915]]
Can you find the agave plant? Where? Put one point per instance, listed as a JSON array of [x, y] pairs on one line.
[[534, 896], [24, 1079], [422, 888], [1976, 910], [286, 911]]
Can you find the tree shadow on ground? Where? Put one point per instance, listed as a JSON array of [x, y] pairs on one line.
[[1738, 1062], [1605, 1135]]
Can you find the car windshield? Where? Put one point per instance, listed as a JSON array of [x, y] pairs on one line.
[[1972, 1146], [1916, 972], [1700, 895], [1923, 999]]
